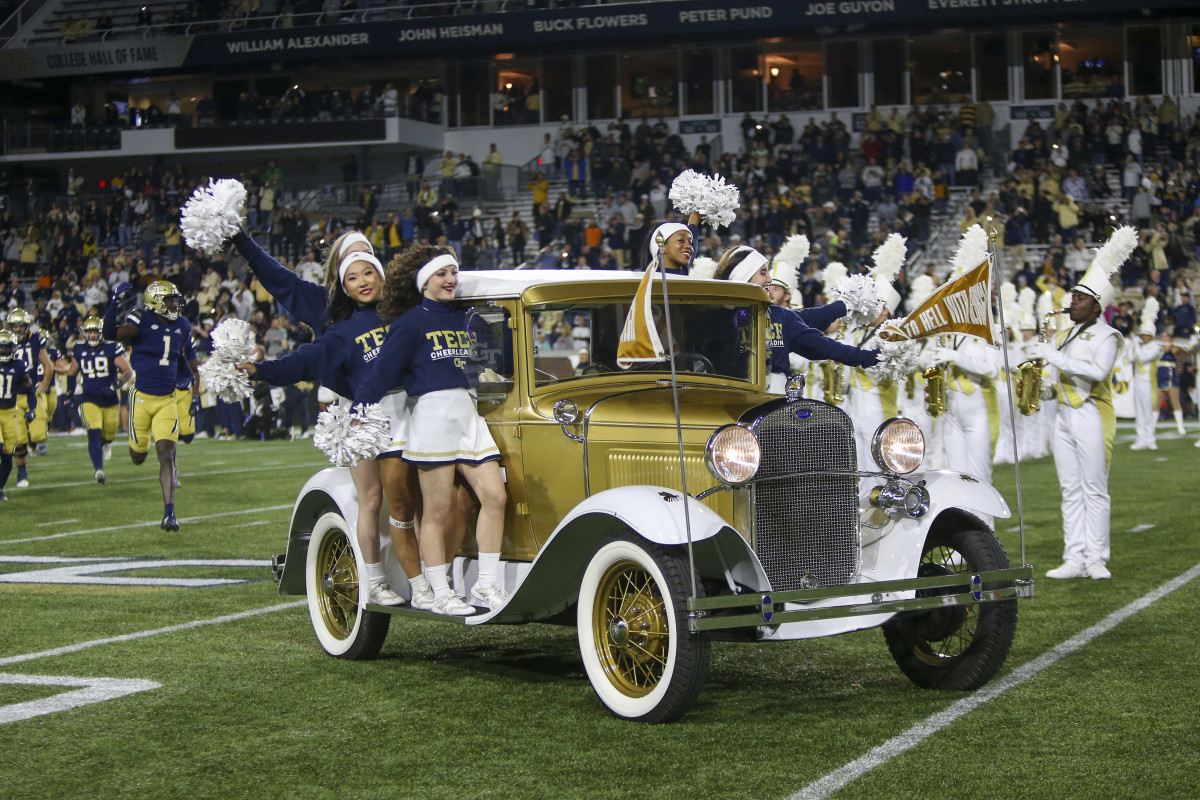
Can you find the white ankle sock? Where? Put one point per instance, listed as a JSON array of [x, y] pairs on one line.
[[489, 569], [437, 580], [419, 583], [374, 573]]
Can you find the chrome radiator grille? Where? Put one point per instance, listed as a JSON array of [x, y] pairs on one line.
[[806, 526]]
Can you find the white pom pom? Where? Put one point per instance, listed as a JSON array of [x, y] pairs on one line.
[[225, 380], [350, 436], [897, 359], [712, 198], [213, 215], [703, 267], [861, 295], [233, 341]]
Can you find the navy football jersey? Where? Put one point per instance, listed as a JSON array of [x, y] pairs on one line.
[[156, 350], [12, 382], [98, 372]]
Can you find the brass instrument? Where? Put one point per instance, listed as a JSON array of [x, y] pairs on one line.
[[935, 389], [831, 376], [1029, 382]]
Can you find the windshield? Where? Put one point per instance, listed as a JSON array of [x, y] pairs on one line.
[[580, 338]]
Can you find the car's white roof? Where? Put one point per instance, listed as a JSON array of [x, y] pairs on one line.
[[498, 283]]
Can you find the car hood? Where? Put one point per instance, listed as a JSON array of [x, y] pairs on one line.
[[701, 406]]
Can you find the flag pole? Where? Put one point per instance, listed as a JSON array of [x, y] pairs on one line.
[[687, 517], [1012, 417]]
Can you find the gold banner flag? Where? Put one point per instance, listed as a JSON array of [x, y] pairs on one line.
[[962, 305], [639, 340]]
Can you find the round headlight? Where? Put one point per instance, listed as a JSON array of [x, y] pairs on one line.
[[898, 446], [733, 455]]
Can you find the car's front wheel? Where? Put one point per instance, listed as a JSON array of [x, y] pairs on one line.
[[343, 626], [955, 647], [642, 661]]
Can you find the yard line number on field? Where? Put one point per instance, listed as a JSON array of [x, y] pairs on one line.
[[834, 781], [96, 690]]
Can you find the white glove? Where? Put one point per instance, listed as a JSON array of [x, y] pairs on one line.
[[944, 355], [1043, 350]]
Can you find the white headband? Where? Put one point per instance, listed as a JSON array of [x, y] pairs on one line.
[[749, 267], [666, 231], [352, 238], [432, 266], [358, 256]]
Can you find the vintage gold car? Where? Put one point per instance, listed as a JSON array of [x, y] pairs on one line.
[[776, 536]]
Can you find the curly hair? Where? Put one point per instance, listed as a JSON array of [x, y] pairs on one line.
[[729, 261], [400, 291]]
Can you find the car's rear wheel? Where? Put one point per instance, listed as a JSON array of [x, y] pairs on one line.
[[642, 661], [343, 626], [955, 647]]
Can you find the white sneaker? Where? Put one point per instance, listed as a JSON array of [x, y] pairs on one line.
[[384, 595], [1068, 571], [422, 599], [100, 479], [1097, 571], [23, 483], [1198, 443], [107, 452], [451, 605], [491, 595]]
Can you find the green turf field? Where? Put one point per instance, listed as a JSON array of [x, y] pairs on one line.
[[249, 706]]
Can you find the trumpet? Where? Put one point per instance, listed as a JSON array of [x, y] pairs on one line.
[[1029, 382], [935, 390], [831, 376]]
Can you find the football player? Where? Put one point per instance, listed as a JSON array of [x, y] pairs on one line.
[[14, 381], [158, 339], [34, 351], [101, 363]]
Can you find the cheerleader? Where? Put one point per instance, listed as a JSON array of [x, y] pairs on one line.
[[340, 358], [425, 351], [673, 244], [787, 332]]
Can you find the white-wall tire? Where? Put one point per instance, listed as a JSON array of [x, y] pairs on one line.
[[343, 626], [641, 660]]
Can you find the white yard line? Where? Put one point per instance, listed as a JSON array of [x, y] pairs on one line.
[[834, 781], [59, 522], [154, 477], [152, 524], [129, 637]]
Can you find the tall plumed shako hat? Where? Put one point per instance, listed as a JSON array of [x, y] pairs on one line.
[[1097, 281]]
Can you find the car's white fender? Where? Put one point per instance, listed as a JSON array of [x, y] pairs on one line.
[[654, 513]]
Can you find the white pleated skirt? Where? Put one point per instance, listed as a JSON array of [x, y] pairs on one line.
[[398, 411], [444, 427]]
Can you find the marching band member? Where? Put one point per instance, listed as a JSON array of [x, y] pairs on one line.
[[1079, 362], [1003, 451], [1144, 352], [1030, 441], [869, 401], [972, 367], [912, 397]]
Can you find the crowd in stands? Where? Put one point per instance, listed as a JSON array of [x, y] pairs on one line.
[[1051, 197]]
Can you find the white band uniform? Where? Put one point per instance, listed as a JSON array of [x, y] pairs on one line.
[[445, 428]]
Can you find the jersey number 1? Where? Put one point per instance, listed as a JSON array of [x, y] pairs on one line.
[[166, 359]]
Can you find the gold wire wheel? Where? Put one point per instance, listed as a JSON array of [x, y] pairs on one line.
[[631, 628], [945, 633], [337, 574]]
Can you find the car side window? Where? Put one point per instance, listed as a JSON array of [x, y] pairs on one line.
[[490, 368]]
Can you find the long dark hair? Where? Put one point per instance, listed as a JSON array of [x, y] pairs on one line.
[[400, 292]]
